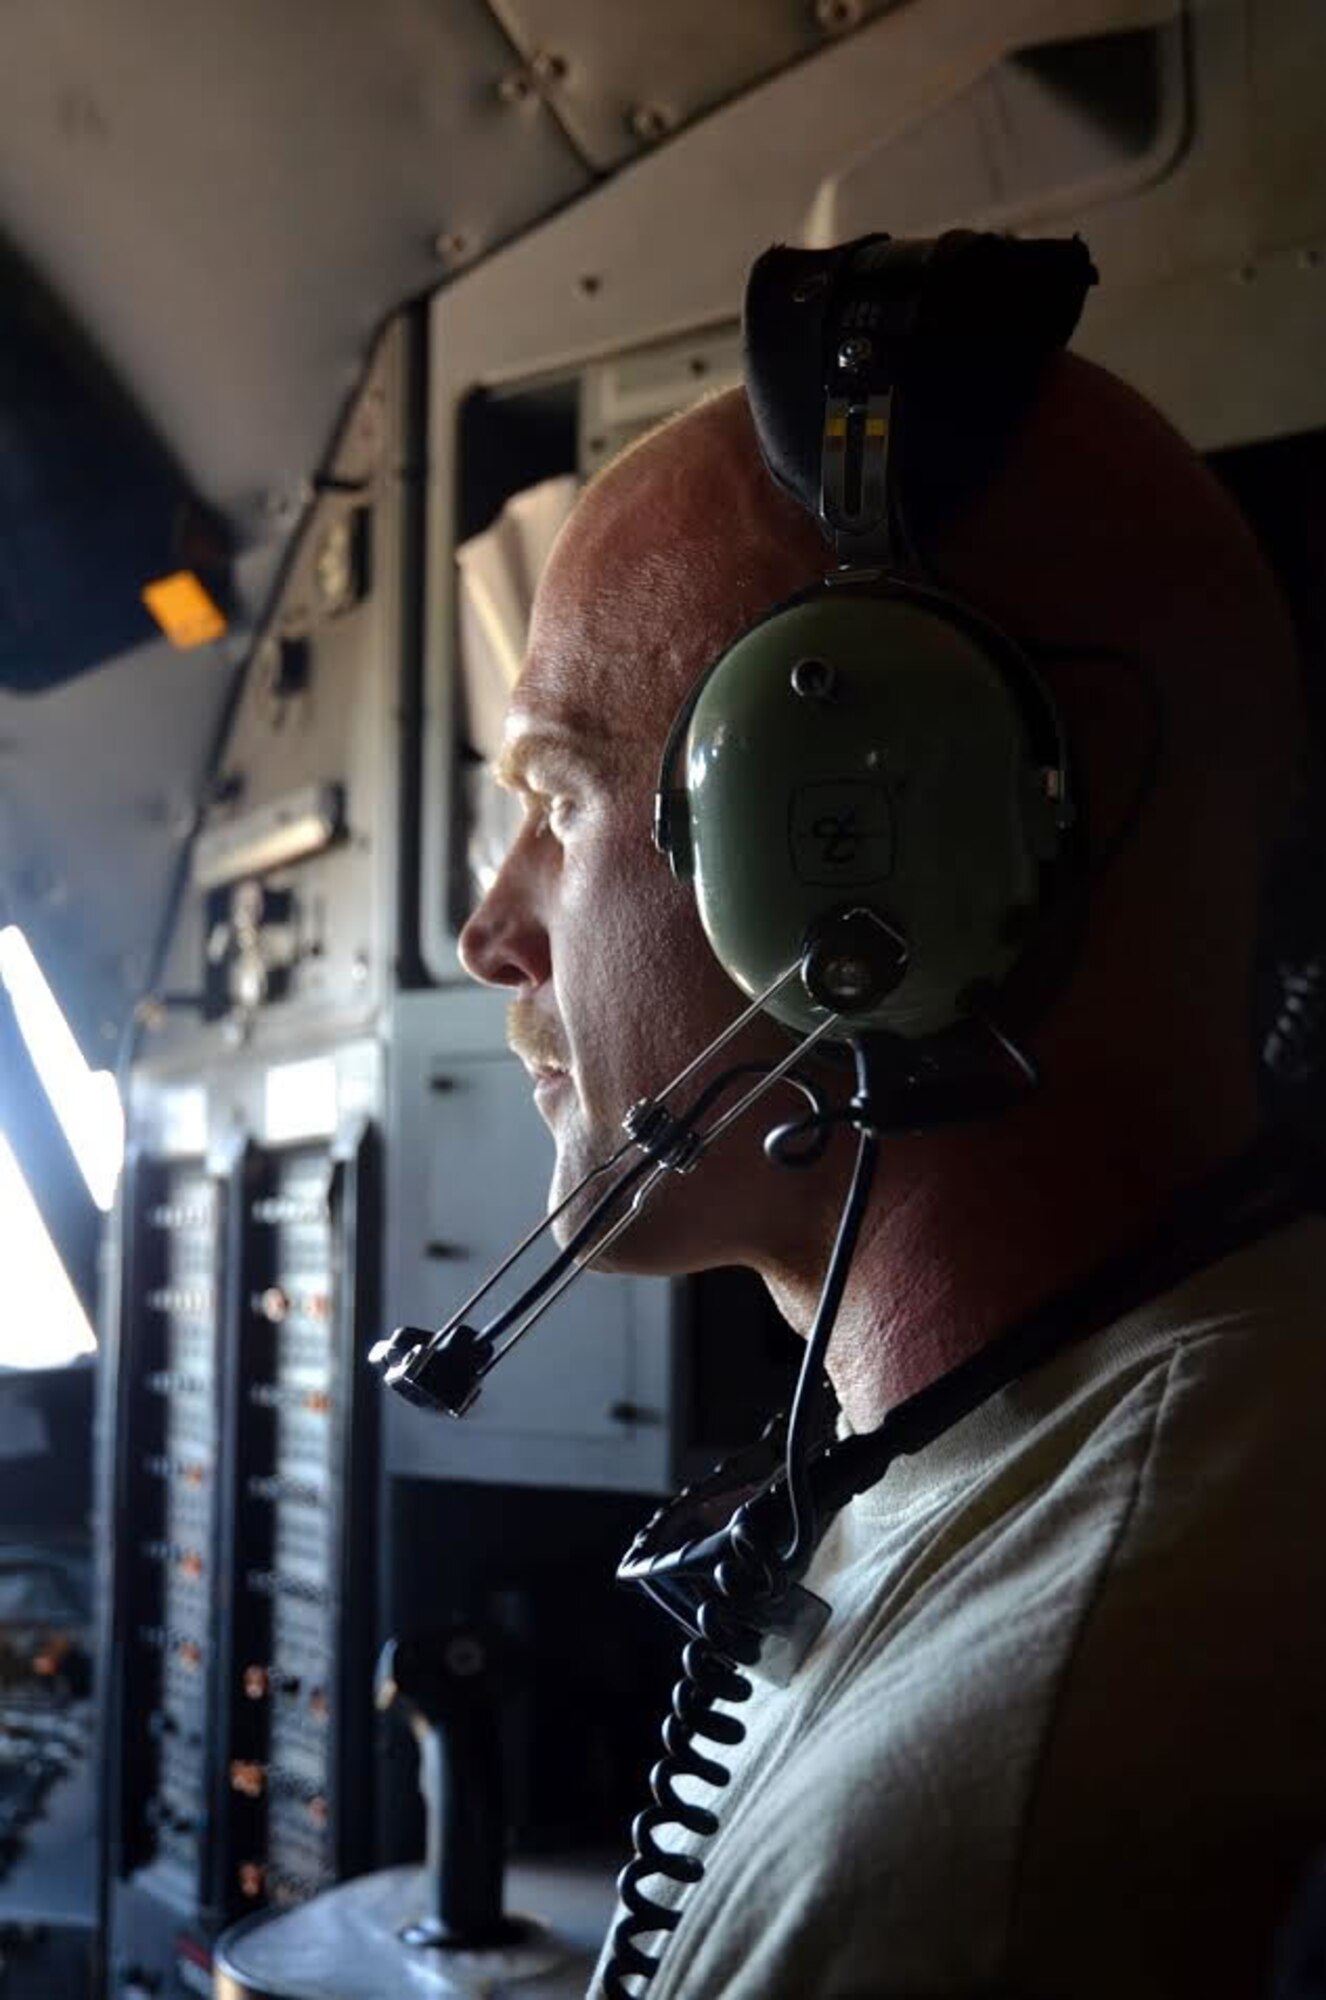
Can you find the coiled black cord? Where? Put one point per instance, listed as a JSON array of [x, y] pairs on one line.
[[750, 1577], [710, 1672]]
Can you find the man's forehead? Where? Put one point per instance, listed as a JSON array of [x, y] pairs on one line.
[[657, 569], [602, 670]]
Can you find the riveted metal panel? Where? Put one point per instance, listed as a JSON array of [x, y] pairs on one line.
[[622, 79], [272, 180]]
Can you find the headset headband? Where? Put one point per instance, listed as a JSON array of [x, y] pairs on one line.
[[956, 328]]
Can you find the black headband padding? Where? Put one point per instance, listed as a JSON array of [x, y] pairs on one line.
[[961, 325]]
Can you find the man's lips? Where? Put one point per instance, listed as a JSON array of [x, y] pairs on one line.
[[549, 1078], [537, 1042]]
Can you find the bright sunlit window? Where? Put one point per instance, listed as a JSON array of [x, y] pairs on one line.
[[85, 1100], [41, 1321]]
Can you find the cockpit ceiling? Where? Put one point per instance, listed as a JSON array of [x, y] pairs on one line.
[[233, 196]]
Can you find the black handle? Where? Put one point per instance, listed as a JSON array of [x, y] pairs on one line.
[[446, 1685]]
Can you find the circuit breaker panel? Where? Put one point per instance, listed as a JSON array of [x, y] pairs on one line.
[[167, 1485], [238, 1730], [296, 1678]]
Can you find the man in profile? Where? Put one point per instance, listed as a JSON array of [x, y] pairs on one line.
[[1065, 1730]]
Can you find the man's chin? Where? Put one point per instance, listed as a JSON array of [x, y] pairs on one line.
[[654, 1245], [639, 1252], [575, 1217]]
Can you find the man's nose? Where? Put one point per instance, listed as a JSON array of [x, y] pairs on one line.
[[503, 942]]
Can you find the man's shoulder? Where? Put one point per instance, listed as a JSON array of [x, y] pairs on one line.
[[1034, 1664], [1104, 1655], [1182, 1772]]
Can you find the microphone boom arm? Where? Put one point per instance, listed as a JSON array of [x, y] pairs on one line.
[[443, 1370]]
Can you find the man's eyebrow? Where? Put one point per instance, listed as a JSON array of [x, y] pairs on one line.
[[572, 749]]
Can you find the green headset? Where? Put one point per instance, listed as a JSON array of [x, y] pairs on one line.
[[872, 783]]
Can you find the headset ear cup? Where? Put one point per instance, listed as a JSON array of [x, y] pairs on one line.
[[918, 773], [681, 854]]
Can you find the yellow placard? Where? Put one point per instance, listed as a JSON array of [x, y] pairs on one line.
[[185, 609]]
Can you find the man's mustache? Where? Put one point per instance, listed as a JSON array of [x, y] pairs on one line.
[[537, 1041]]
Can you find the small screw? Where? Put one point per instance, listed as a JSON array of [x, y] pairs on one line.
[[848, 978], [283, 507], [836, 15], [450, 246], [465, 1656], [548, 66], [650, 122], [516, 87], [590, 285], [813, 680], [854, 353]]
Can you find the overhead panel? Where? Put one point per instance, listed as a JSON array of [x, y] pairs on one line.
[[1190, 154], [622, 78], [234, 197], [1049, 129]]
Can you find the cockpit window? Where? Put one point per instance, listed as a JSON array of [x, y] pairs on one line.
[[42, 1322], [84, 1100]]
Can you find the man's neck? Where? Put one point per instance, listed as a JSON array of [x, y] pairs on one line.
[[962, 1240]]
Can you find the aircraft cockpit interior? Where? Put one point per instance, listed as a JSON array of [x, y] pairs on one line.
[[315, 326]]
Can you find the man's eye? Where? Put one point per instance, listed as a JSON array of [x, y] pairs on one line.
[[559, 813], [550, 812]]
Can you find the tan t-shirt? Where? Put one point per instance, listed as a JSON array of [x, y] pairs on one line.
[[1065, 1732]]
